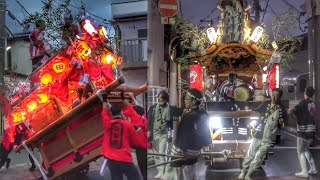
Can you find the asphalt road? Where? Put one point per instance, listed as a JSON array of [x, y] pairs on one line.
[[281, 165], [20, 164]]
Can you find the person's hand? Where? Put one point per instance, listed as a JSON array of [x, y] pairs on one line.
[[289, 111], [15, 148], [103, 95], [162, 126], [107, 105]]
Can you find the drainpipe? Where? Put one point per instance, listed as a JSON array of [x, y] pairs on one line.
[[117, 29], [3, 40]]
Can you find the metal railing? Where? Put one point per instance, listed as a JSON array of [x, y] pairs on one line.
[[134, 50]]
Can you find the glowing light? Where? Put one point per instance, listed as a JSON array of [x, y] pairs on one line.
[[264, 77], [265, 68], [46, 78], [89, 27], [274, 45], [212, 35], [103, 32], [277, 76], [43, 98], [32, 105], [109, 58], [59, 67], [257, 34], [18, 116], [247, 32], [83, 49], [215, 122]]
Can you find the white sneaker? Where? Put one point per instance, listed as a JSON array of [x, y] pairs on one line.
[[312, 171], [302, 174], [158, 176]]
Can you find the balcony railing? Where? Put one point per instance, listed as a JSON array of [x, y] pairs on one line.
[[134, 50]]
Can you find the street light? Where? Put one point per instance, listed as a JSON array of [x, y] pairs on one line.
[[8, 48]]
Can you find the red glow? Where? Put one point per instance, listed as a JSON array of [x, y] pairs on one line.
[[196, 77]]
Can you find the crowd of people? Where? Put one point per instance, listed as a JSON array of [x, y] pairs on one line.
[[193, 134]]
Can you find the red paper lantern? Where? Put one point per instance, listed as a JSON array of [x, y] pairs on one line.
[[59, 67], [43, 98], [32, 105], [46, 78], [86, 24], [196, 77], [83, 50], [18, 117]]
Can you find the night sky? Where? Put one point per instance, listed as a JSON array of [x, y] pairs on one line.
[[190, 9]]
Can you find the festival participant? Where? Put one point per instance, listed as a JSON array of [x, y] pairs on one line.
[[193, 134], [6, 146], [306, 128], [160, 123], [118, 138], [12, 138], [69, 29], [38, 52], [137, 119], [264, 136]]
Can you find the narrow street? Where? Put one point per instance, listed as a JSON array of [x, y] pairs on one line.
[[281, 165], [20, 164]]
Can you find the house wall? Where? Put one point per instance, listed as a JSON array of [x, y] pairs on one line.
[[133, 48], [20, 58]]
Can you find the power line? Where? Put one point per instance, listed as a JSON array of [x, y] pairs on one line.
[[23, 7], [290, 5], [211, 13], [264, 12], [277, 17]]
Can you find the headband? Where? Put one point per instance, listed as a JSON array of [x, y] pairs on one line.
[[198, 99]]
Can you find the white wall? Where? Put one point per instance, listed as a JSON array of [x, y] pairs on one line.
[[129, 8], [20, 57], [129, 29]]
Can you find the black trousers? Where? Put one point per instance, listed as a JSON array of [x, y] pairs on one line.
[[32, 161], [118, 169], [142, 162], [4, 153]]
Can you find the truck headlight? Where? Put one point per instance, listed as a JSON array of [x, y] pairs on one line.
[[215, 122]]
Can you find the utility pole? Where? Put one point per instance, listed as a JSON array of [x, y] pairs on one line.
[[155, 49], [313, 19], [257, 10], [2, 40]]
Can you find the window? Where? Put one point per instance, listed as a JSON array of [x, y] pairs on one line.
[[142, 33]]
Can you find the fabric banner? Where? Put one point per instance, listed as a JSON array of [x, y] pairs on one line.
[[196, 77], [60, 90], [272, 77]]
